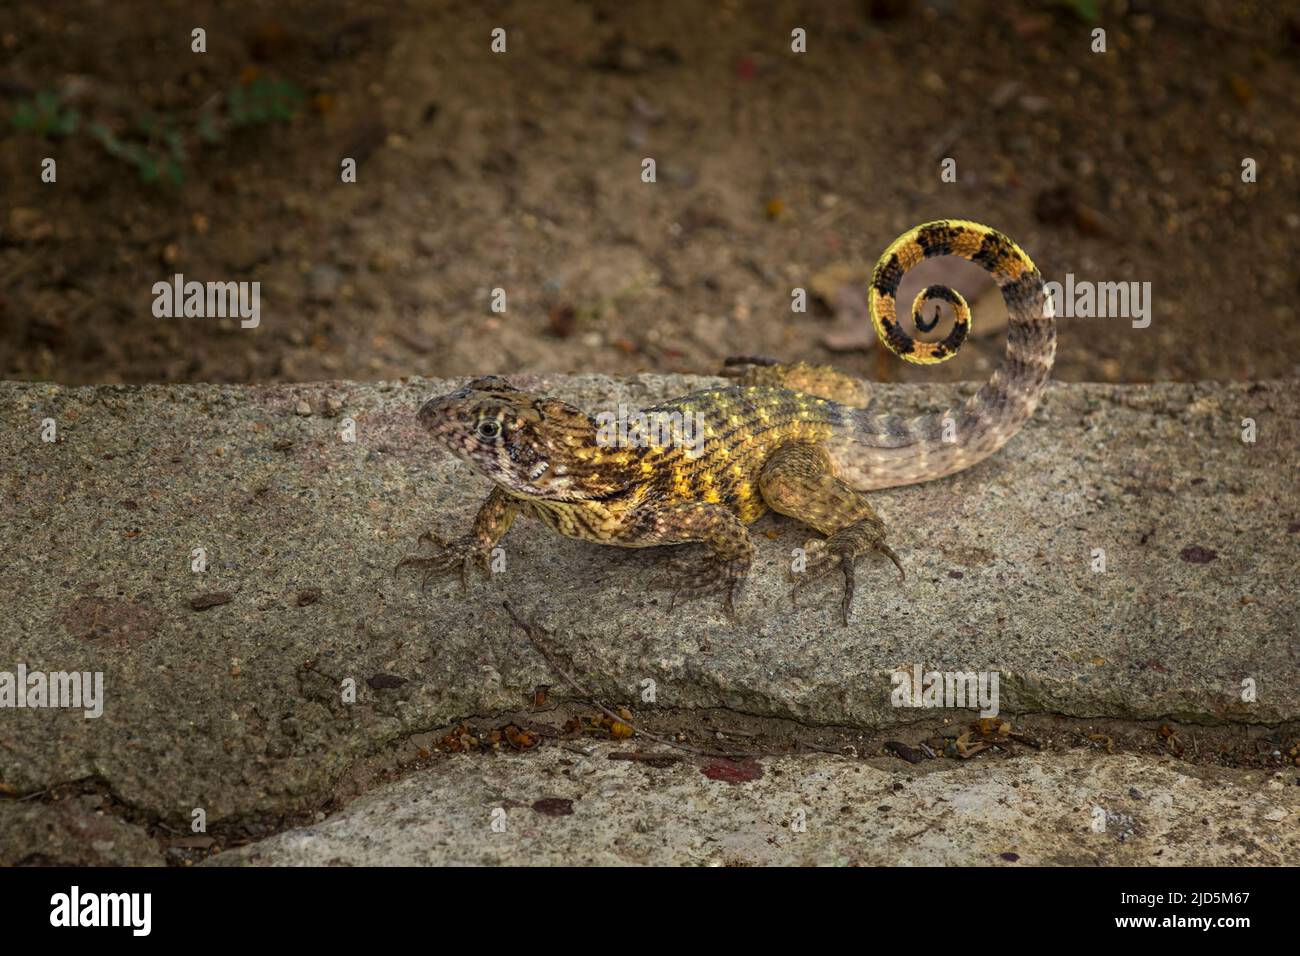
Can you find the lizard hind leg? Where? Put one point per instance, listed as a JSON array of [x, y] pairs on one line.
[[723, 571], [798, 481]]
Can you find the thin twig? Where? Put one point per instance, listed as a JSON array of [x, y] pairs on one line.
[[809, 745], [531, 632]]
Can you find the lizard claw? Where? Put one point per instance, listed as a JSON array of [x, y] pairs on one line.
[[820, 562], [888, 552], [841, 550], [450, 555], [693, 579]]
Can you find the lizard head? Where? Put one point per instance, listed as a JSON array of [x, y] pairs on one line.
[[532, 446]]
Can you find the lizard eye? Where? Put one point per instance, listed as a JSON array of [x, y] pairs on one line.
[[489, 428]]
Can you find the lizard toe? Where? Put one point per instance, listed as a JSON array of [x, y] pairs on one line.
[[459, 555], [692, 580]]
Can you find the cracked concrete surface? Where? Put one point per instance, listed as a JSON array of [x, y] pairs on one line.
[[564, 809], [223, 688]]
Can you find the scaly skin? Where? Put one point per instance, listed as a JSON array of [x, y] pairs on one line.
[[796, 439]]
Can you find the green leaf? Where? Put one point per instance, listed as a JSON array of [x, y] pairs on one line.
[[25, 116], [208, 128], [66, 124]]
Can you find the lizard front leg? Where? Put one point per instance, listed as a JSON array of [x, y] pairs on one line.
[[797, 481], [722, 572], [493, 520]]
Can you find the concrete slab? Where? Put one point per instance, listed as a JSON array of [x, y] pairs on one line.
[[557, 808], [223, 689]]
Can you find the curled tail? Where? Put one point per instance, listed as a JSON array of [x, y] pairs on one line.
[[886, 450]]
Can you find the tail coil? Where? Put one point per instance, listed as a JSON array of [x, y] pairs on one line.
[[1008, 264], [895, 452]]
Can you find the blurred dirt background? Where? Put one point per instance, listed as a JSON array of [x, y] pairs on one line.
[[522, 171]]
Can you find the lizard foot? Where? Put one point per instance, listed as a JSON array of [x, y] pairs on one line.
[[841, 550], [460, 554], [696, 578]]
